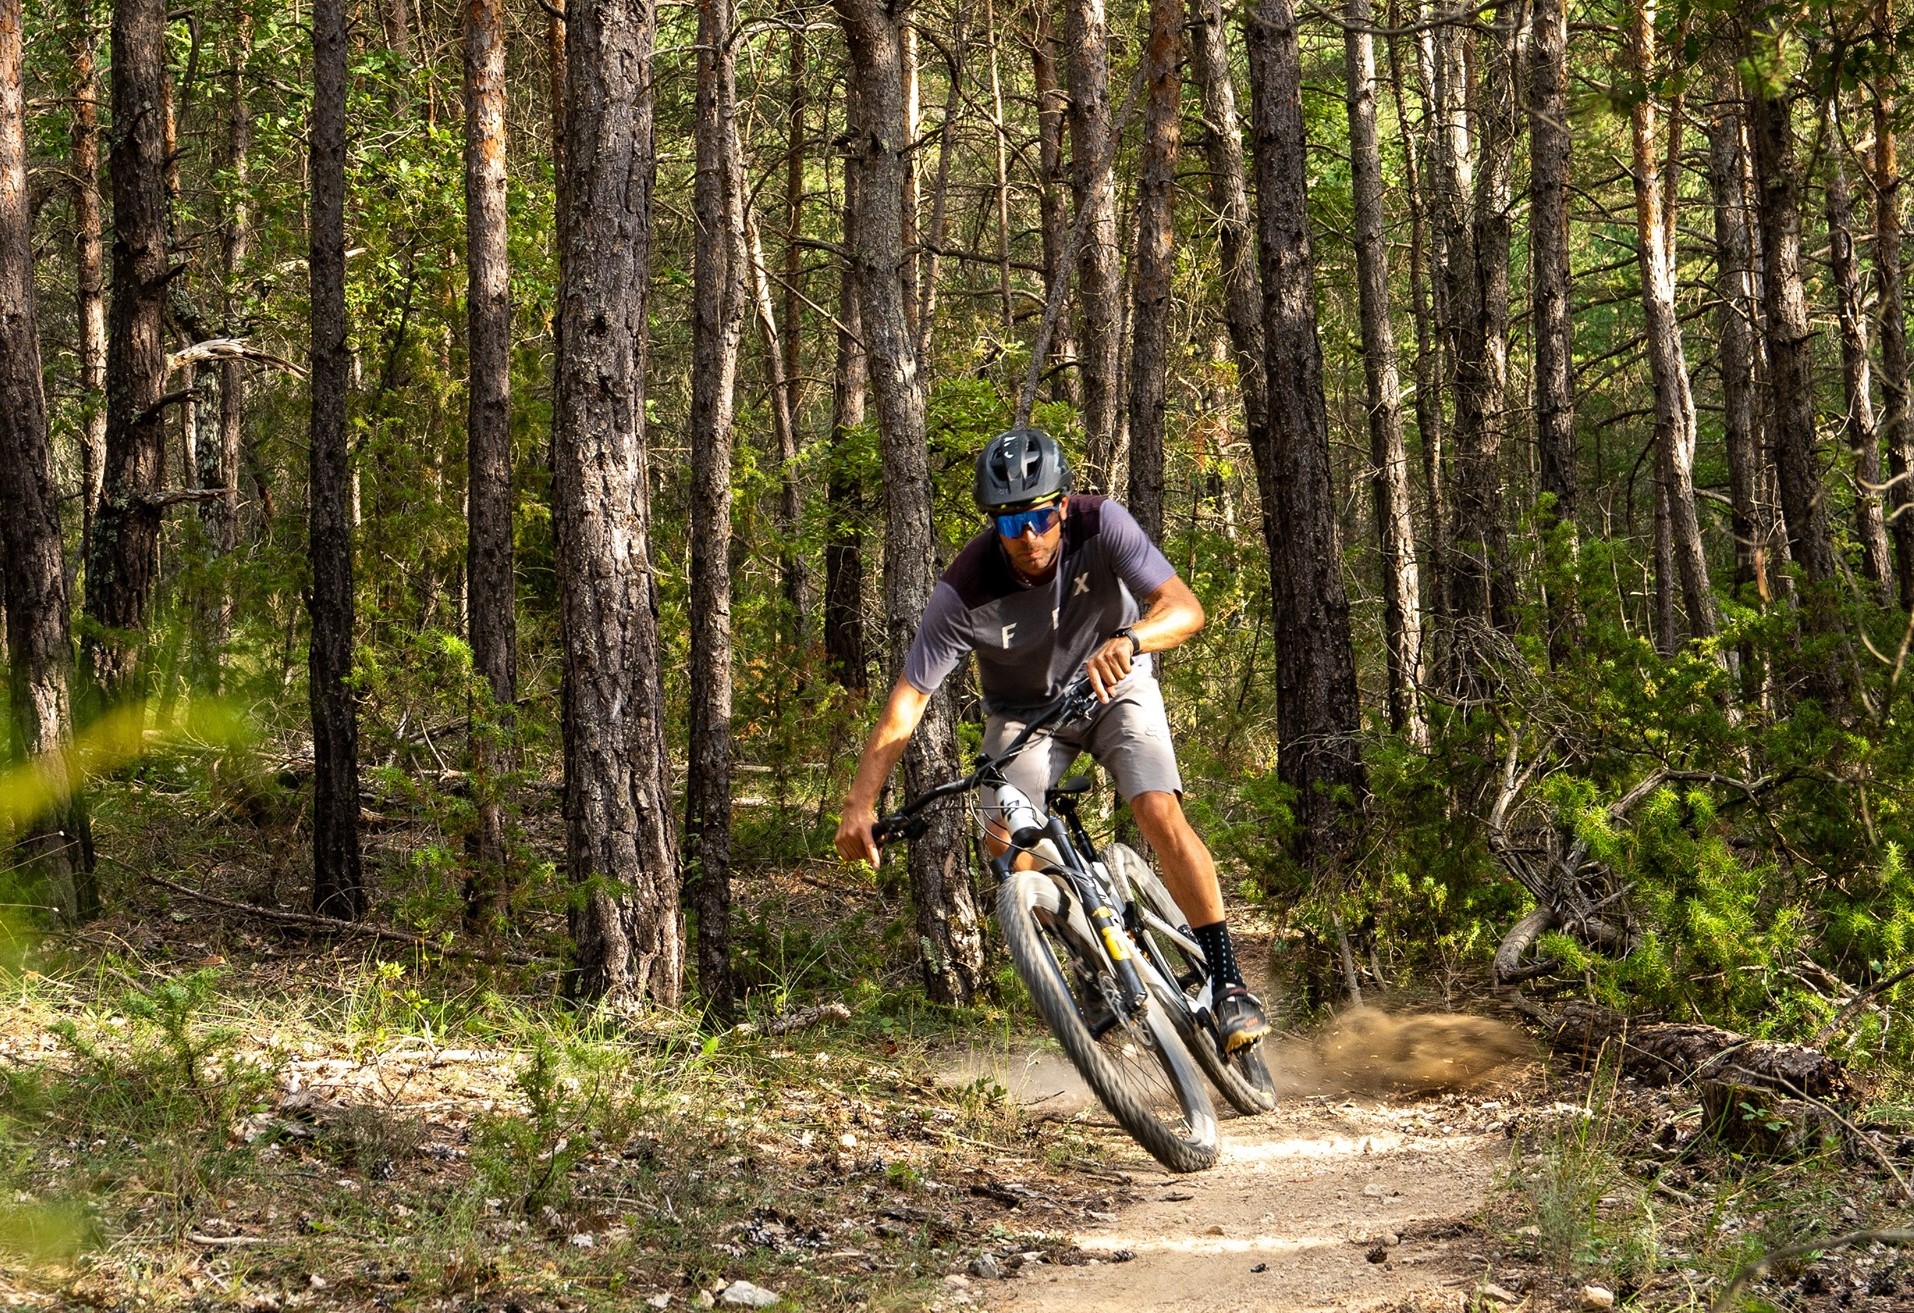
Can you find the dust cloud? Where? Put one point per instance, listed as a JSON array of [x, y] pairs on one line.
[[1368, 1051]]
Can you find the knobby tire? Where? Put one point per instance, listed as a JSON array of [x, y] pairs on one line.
[[1050, 949], [1243, 1077]]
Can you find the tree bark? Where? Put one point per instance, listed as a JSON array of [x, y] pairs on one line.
[[1317, 711], [490, 581], [338, 882], [1389, 459], [1155, 260], [780, 394], [790, 386], [1897, 425], [1482, 586], [621, 852], [1864, 439], [1086, 41], [947, 921], [1229, 197], [1003, 170], [54, 847], [717, 323], [1668, 366], [1789, 338], [1549, 152], [1068, 383], [845, 645], [1740, 348], [126, 522], [89, 281]]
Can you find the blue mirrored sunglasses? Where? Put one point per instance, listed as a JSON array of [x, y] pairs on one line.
[[1016, 524]]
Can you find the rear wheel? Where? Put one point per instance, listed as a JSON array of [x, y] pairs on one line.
[[1136, 1062], [1242, 1076]]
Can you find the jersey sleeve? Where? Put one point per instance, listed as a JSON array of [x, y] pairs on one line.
[[940, 643], [1137, 561]]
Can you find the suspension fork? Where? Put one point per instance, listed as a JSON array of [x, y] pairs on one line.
[[1073, 841]]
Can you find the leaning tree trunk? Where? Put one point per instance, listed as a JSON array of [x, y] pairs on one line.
[[126, 524], [845, 646], [1229, 197], [1789, 338], [1864, 440], [620, 850], [717, 323], [947, 922], [1052, 180], [1317, 711], [338, 883], [1668, 366], [1086, 41], [1389, 459], [1897, 424], [1155, 256], [1739, 346], [53, 845], [89, 282], [490, 583]]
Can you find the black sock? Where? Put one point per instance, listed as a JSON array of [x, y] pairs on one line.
[[1217, 951]]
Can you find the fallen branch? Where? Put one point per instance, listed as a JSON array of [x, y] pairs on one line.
[[1855, 1004], [1671, 1052], [1508, 955], [227, 348], [802, 1019], [313, 920]]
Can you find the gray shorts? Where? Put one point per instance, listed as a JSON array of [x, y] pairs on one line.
[[1129, 737]]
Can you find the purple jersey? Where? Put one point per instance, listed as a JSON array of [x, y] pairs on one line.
[[1031, 641]]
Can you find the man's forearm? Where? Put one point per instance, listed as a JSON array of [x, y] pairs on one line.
[[1172, 617], [885, 747]]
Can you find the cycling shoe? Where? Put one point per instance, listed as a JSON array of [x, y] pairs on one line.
[[1239, 1018]]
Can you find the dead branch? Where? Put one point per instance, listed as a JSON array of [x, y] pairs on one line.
[[1760, 1268]]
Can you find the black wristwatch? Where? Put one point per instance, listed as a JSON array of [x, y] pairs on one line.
[[1136, 644]]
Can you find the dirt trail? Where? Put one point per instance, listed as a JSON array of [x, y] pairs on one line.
[[1343, 1198]]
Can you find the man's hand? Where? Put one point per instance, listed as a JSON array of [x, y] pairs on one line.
[[1109, 666], [854, 841]]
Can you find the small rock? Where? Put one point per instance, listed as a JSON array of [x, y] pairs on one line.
[[1260, 1267], [1532, 1232], [742, 1294], [1490, 1290], [986, 1267], [580, 1240], [957, 1279], [1213, 1230], [317, 1282], [1597, 1297], [703, 1299], [659, 1301]]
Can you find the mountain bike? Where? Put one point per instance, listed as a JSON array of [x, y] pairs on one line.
[[1106, 955]]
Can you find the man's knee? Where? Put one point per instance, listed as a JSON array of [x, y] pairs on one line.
[[1158, 811]]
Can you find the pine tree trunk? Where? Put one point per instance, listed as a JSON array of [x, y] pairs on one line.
[[789, 384], [89, 281], [1789, 338], [490, 582], [717, 323], [54, 846], [1668, 366], [1549, 152], [338, 882], [940, 192], [947, 921], [1317, 711], [1739, 351], [222, 517], [1864, 439], [621, 852], [1897, 425], [1067, 382], [1442, 58], [1155, 257], [1483, 588], [1229, 197], [556, 72], [844, 642], [1003, 170], [1389, 459], [1086, 42], [126, 523]]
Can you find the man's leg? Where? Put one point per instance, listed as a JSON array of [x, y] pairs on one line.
[[1189, 872]]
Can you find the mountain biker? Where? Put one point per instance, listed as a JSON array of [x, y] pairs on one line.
[[1051, 588]]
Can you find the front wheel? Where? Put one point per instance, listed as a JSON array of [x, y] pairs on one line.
[[1242, 1076], [1136, 1062]]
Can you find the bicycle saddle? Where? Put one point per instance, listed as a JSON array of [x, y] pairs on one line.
[[1075, 784]]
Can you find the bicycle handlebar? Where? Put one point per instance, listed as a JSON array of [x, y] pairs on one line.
[[907, 822]]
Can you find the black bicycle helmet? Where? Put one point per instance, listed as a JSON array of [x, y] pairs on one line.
[[1021, 466]]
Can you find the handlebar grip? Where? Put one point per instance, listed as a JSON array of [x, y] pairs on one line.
[[900, 826]]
